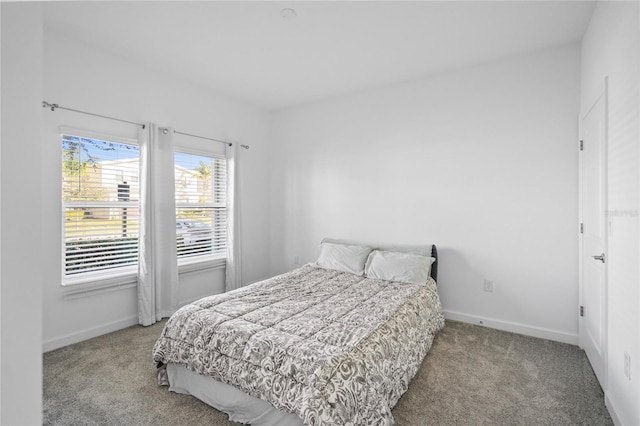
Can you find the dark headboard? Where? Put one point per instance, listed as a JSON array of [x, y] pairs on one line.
[[434, 265]]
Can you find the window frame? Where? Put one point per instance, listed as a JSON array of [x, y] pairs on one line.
[[91, 279], [206, 261]]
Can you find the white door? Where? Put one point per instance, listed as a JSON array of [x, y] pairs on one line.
[[593, 273]]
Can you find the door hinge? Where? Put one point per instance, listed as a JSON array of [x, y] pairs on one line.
[[581, 145], [581, 311], [582, 228]]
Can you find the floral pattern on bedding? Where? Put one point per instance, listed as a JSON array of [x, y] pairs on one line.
[[332, 347]]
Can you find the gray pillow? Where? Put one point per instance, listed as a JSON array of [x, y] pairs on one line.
[[343, 257], [396, 266]]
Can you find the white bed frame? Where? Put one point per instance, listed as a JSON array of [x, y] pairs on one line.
[[238, 405]]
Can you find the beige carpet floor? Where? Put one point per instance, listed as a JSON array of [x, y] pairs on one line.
[[472, 376]]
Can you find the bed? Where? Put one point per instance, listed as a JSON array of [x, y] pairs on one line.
[[334, 342]]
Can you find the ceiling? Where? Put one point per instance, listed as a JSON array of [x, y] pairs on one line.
[[248, 51]]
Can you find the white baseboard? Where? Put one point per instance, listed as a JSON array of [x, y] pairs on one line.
[[527, 330], [612, 411], [89, 333], [543, 333]]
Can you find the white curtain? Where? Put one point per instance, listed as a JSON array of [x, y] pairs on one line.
[[234, 236], [157, 264]]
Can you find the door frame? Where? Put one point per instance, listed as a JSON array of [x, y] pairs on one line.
[[602, 93]]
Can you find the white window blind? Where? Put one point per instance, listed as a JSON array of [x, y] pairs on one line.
[[100, 200], [201, 205]]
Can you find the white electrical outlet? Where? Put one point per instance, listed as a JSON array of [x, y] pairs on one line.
[[627, 365], [488, 286]]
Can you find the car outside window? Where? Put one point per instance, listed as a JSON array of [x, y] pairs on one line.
[[201, 209]]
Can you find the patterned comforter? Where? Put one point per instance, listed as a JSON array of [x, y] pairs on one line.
[[332, 347]]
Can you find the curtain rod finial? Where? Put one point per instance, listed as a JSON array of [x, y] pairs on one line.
[[46, 104]]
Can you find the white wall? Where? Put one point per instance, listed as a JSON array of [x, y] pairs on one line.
[[21, 246], [82, 77], [611, 47], [482, 162]]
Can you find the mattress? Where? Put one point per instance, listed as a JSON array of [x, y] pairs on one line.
[[329, 347]]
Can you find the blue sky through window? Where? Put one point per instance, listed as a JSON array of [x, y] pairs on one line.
[[101, 150]]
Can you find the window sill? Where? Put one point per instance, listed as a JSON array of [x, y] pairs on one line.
[[87, 284], [92, 279]]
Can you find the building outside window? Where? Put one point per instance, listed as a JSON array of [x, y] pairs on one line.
[[101, 208]]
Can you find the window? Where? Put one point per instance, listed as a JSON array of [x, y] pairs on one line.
[[100, 200], [201, 207]]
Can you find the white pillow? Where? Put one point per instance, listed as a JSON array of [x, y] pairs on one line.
[[343, 257], [409, 268]]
